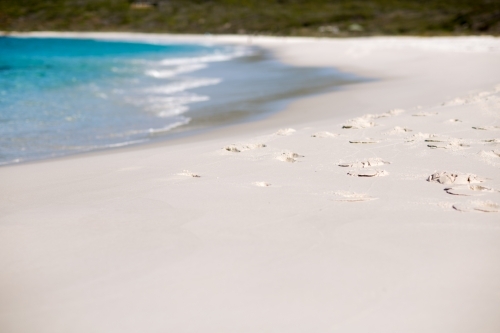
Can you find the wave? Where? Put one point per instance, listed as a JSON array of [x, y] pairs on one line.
[[17, 160], [172, 111], [121, 144], [179, 99], [216, 57], [169, 127], [167, 106], [163, 74], [168, 100], [101, 95], [163, 101], [184, 85]]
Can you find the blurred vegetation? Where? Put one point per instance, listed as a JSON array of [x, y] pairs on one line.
[[271, 17]]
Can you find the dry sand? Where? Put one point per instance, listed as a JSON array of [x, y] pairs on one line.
[[337, 214]]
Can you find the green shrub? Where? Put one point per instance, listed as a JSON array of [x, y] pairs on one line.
[[275, 17]]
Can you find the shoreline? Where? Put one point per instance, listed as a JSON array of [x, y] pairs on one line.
[[191, 128], [371, 208], [191, 136]]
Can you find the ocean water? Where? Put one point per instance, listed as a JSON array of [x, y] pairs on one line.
[[63, 96]]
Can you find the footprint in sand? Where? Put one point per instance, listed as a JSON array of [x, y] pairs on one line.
[[347, 196], [391, 113], [468, 190], [438, 139], [289, 157], [486, 128], [285, 131], [261, 184], [492, 141], [364, 141], [454, 178], [482, 206], [479, 97], [237, 149], [420, 136], [424, 114], [490, 153], [490, 156], [368, 173], [371, 162], [366, 121], [397, 130], [359, 123], [188, 174], [323, 135], [232, 148], [446, 143]]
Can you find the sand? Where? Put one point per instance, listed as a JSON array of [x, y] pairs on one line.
[[305, 226]]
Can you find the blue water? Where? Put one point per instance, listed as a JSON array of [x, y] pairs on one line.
[[63, 96]]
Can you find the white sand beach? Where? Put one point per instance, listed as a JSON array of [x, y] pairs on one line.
[[370, 209]]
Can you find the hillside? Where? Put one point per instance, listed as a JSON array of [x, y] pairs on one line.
[[278, 17]]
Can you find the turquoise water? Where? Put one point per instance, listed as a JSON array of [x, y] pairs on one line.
[[62, 96]]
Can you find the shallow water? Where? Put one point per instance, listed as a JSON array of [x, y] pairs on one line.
[[63, 96]]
